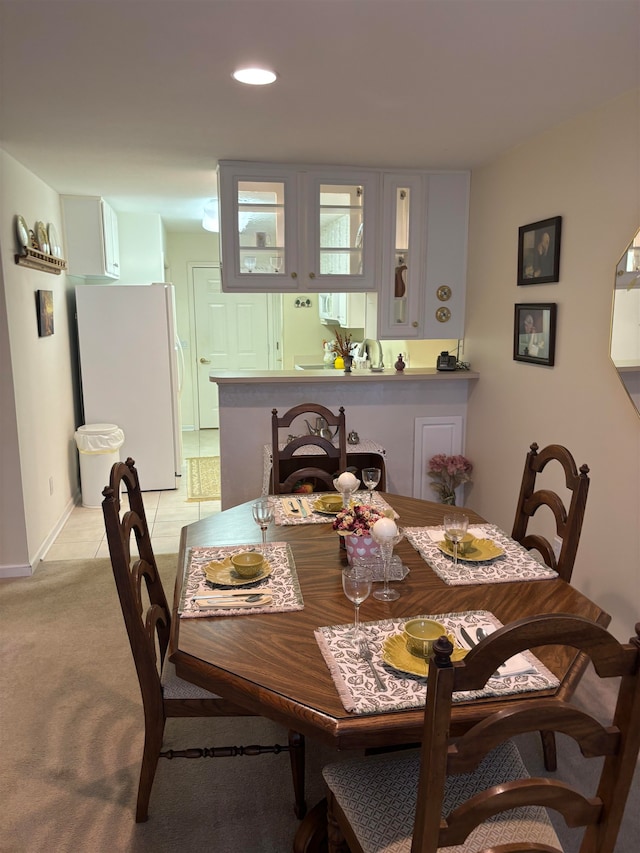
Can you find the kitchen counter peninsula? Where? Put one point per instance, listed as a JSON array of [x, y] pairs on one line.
[[329, 374], [412, 414]]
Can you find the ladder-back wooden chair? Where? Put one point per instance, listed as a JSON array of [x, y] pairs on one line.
[[568, 520], [289, 468], [147, 617], [475, 791], [568, 524]]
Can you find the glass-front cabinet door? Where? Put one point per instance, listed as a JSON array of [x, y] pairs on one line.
[[259, 236], [341, 229], [401, 296], [294, 228]]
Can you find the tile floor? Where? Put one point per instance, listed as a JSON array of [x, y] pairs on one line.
[[167, 512]]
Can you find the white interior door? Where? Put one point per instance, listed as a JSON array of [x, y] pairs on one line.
[[232, 333]]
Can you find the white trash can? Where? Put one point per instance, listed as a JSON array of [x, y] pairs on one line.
[[99, 447]]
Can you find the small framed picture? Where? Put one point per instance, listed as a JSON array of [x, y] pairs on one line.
[[44, 305], [534, 333], [539, 251]]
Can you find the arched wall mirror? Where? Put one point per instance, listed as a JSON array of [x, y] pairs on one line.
[[625, 320]]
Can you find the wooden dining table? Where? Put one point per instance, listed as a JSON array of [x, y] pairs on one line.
[[271, 664]]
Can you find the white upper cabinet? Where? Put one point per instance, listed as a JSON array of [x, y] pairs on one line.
[[400, 235], [91, 232], [287, 228], [424, 255]]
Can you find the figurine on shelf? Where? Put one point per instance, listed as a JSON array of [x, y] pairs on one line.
[[399, 365]]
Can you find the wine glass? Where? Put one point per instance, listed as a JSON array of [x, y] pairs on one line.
[[263, 516], [371, 478], [356, 583], [250, 263], [276, 262], [386, 549], [455, 527]]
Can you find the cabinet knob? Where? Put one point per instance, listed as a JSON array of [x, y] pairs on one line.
[[204, 360], [312, 275], [294, 275], [415, 324]]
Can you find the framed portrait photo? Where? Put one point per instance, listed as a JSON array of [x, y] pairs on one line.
[[534, 332], [539, 251], [44, 307]]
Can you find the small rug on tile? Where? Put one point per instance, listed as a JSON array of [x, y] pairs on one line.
[[203, 478]]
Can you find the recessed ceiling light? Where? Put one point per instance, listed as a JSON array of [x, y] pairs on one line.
[[254, 76]]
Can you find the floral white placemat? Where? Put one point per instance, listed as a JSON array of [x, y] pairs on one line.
[[516, 564], [282, 583], [287, 509], [356, 685]]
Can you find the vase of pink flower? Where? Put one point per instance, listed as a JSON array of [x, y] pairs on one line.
[[353, 525], [447, 473]]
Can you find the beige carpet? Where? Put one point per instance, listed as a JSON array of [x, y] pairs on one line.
[[71, 730], [203, 478]]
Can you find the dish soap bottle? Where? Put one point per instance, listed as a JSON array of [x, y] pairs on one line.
[[399, 365]]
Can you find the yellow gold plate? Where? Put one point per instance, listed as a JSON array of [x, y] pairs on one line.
[[223, 573], [396, 654], [321, 505], [476, 551]]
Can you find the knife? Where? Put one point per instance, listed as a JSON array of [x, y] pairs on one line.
[[303, 509], [467, 638]]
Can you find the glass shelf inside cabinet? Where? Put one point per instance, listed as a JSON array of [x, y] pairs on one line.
[[341, 229], [261, 218]]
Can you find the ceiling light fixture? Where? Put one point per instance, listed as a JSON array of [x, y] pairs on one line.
[[254, 76], [210, 216]]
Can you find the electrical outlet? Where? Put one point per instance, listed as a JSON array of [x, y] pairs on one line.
[[557, 546], [50, 485]]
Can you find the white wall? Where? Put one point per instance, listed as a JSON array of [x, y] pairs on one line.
[[38, 397], [586, 171]]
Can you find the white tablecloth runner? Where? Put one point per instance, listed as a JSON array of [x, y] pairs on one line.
[[516, 564], [356, 685], [283, 581]]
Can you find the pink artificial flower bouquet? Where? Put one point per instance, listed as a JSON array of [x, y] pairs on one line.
[[356, 520], [449, 472]]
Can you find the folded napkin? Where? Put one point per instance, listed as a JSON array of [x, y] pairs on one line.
[[296, 507], [436, 534], [358, 690], [516, 564], [279, 591], [517, 665]]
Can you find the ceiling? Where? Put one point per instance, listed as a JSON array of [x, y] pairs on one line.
[[134, 100]]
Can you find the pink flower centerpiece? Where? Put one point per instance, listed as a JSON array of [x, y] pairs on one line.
[[449, 472], [353, 525]]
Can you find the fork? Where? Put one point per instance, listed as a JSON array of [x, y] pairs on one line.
[[365, 654]]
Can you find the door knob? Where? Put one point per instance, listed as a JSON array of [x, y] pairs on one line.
[[204, 361]]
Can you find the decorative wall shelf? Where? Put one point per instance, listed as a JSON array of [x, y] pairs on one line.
[[37, 260]]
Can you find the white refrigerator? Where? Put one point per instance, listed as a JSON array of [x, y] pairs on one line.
[[131, 369]]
